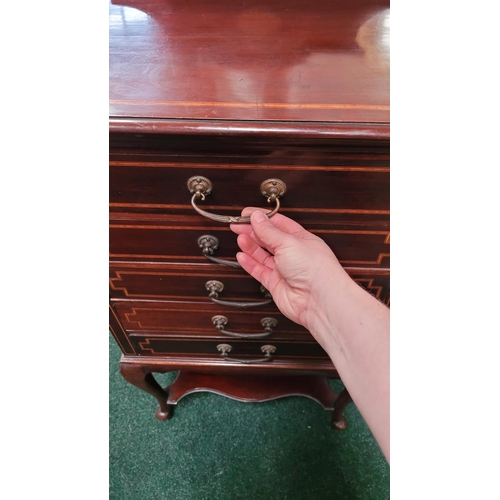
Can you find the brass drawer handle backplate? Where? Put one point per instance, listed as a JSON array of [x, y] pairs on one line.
[[215, 287], [200, 186], [224, 349], [267, 323], [208, 244]]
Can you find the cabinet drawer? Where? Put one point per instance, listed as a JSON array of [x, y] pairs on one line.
[[181, 282], [177, 240], [151, 345], [194, 320], [352, 186], [187, 282]]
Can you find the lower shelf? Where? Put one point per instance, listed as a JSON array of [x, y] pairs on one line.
[[244, 388]]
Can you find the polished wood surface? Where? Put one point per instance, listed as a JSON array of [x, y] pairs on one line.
[[355, 246], [240, 92], [175, 281], [194, 320], [279, 366], [295, 352], [118, 332], [239, 387], [290, 60], [256, 389], [208, 132], [357, 184]]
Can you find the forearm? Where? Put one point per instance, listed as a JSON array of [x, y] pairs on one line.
[[351, 325], [353, 328]]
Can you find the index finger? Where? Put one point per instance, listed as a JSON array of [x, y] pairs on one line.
[[281, 221]]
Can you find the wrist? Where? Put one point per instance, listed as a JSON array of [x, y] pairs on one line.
[[349, 317], [330, 298]]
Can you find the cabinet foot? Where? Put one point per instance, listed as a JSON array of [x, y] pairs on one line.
[[162, 415], [339, 423]]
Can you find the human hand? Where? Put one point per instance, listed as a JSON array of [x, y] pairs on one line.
[[310, 287], [297, 267]]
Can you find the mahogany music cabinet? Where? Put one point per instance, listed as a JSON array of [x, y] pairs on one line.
[[216, 106]]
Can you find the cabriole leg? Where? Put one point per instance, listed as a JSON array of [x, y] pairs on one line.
[[143, 379]]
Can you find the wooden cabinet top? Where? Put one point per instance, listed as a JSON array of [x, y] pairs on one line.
[[250, 60]]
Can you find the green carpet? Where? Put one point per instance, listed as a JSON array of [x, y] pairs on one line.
[[216, 448]]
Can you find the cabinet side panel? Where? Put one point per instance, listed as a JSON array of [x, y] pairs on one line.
[[118, 333]]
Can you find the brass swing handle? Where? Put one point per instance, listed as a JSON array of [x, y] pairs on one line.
[[224, 349], [215, 287], [208, 244], [200, 186], [268, 324]]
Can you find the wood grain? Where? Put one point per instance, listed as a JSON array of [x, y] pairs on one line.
[[300, 60], [174, 281]]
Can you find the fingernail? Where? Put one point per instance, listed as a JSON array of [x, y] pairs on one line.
[[259, 216]]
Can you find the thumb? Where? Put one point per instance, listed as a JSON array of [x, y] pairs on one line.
[[266, 231]]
